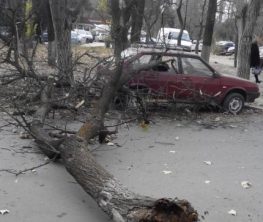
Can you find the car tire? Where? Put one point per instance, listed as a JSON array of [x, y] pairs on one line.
[[234, 103]]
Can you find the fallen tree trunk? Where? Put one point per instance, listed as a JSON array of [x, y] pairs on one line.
[[112, 197]]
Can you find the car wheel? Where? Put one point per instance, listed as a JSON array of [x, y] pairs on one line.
[[234, 103]]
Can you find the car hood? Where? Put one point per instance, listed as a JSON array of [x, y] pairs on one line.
[[243, 83]]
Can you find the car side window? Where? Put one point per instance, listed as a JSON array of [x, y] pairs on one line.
[[194, 66], [172, 63]]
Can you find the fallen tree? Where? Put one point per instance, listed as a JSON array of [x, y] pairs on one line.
[[112, 197]]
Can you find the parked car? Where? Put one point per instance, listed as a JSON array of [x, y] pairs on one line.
[[84, 36], [101, 37], [222, 47], [169, 37], [44, 37], [231, 50], [75, 38], [186, 77]]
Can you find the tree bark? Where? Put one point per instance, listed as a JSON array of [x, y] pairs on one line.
[[181, 22], [201, 21], [52, 55], [62, 27], [137, 20], [209, 29], [244, 50], [112, 197]]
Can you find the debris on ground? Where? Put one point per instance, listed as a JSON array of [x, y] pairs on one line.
[[4, 211], [110, 144], [166, 172], [232, 212], [246, 184], [208, 162], [207, 182]]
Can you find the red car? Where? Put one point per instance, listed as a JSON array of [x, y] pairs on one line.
[[185, 77]]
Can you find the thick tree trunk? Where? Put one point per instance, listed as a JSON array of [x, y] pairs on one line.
[[201, 21], [52, 52], [246, 39], [209, 29], [137, 20], [52, 55], [181, 22], [113, 198], [62, 27]]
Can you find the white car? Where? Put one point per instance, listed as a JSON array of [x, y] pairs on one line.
[[83, 34], [77, 39], [169, 37], [101, 37]]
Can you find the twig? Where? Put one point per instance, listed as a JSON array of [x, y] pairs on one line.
[[61, 130], [17, 173], [122, 123]]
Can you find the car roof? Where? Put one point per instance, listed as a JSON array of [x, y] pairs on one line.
[[166, 29], [134, 51]]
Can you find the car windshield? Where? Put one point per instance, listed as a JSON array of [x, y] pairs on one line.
[[174, 35]]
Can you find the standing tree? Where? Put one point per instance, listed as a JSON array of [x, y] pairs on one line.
[[249, 19], [209, 28], [137, 20], [201, 29]]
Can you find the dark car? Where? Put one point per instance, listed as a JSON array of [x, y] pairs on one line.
[[185, 77], [222, 47], [44, 37]]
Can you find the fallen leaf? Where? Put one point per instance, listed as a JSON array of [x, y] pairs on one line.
[[166, 172], [4, 211], [217, 94], [232, 212], [14, 130], [246, 184], [217, 119], [110, 144], [24, 135], [208, 162], [80, 104]]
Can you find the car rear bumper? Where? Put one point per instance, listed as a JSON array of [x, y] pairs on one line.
[[252, 96]]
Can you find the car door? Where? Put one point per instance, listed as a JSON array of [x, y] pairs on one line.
[[168, 77], [162, 77], [198, 82], [145, 79]]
